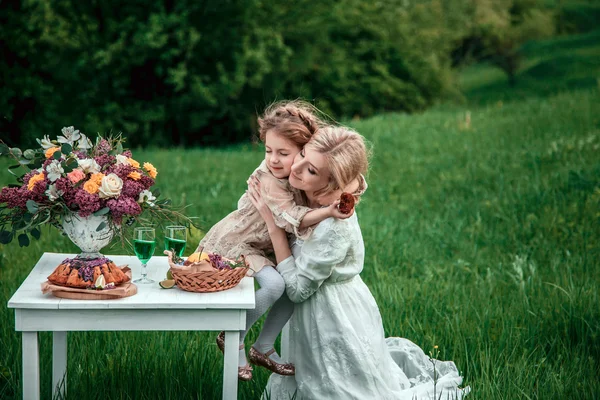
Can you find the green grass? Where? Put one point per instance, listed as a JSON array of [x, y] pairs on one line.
[[480, 239]]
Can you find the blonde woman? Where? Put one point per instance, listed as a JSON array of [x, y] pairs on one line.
[[337, 341]]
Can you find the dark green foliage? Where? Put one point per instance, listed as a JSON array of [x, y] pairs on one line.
[[198, 72]]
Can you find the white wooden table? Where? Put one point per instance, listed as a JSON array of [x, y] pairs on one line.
[[151, 309]]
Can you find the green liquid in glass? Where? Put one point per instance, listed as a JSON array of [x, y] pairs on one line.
[[144, 249], [175, 245]]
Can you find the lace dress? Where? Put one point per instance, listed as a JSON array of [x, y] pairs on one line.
[[336, 337], [244, 232]]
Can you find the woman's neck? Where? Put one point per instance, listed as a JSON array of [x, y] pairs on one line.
[[312, 201]]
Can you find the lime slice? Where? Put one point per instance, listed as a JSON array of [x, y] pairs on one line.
[[167, 284], [169, 275]]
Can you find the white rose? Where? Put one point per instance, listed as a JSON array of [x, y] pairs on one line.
[[54, 170], [121, 159], [89, 166], [111, 186]]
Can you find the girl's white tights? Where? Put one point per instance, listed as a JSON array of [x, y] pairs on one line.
[[272, 287], [279, 314]]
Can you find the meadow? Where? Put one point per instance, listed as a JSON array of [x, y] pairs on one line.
[[481, 227]]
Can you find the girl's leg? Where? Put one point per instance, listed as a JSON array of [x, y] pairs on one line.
[[277, 317], [272, 287]]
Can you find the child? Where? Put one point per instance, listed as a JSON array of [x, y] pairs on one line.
[[284, 128]]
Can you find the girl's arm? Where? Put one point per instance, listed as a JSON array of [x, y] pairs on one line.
[[277, 234]]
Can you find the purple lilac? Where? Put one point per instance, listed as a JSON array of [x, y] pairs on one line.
[[15, 197], [87, 203], [103, 148], [131, 188], [123, 206], [146, 181], [104, 160], [121, 170], [218, 262]]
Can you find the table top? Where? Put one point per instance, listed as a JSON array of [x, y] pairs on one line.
[[149, 296]]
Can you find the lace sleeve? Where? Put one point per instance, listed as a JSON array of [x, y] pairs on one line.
[[287, 214], [326, 248]]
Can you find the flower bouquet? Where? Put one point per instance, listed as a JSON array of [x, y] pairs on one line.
[[89, 190]]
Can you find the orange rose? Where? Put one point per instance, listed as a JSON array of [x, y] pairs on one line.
[[35, 179], [50, 152], [133, 163], [150, 169], [91, 187], [135, 176], [97, 178]]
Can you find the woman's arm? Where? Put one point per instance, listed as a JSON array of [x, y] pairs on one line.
[[277, 234]]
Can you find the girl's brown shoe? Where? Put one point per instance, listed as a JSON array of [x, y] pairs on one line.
[[258, 358], [245, 372]]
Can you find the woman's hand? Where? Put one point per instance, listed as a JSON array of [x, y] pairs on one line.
[[256, 199], [335, 212]]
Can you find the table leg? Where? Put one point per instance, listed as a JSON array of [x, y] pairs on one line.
[[230, 365], [31, 366], [59, 365], [285, 342]]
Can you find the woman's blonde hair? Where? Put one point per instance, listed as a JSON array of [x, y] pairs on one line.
[[295, 120], [346, 153]]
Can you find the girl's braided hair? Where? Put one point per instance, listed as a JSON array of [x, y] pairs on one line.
[[296, 120]]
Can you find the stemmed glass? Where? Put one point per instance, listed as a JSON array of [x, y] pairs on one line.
[[175, 239], [144, 243]]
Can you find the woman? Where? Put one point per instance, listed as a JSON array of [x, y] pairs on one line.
[[337, 341]]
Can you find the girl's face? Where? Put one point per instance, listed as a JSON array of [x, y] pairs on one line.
[[309, 171], [279, 155]]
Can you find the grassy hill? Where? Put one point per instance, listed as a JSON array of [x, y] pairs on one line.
[[481, 231]]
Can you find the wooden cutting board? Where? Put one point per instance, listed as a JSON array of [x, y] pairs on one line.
[[65, 292]]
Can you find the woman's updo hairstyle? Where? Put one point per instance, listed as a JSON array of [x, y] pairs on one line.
[[346, 153], [295, 120]]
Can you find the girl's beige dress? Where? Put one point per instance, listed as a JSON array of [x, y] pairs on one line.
[[244, 232]]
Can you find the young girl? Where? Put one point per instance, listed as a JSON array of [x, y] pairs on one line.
[[284, 128]]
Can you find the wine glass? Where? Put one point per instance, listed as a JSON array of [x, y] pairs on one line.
[[175, 239], [144, 243]]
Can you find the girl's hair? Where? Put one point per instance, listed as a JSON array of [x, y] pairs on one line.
[[296, 120], [346, 153]]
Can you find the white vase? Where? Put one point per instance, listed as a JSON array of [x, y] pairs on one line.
[[83, 231]]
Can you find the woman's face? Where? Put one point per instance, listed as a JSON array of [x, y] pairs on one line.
[[309, 170], [279, 154]]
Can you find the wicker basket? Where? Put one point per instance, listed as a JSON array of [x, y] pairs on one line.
[[202, 277]]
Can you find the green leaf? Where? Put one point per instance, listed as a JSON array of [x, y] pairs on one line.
[[23, 240], [32, 206], [67, 168], [57, 155], [37, 163], [101, 226], [24, 161], [29, 154], [156, 192], [66, 148], [4, 149], [36, 233], [119, 148], [16, 152], [102, 211], [5, 237], [27, 217]]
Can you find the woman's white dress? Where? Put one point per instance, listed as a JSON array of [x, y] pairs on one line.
[[337, 339]]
